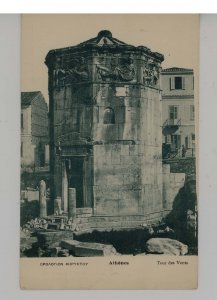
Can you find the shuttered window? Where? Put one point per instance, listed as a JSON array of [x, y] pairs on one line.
[[173, 112], [172, 83], [177, 83]]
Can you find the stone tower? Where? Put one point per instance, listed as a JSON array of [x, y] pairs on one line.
[[105, 128]]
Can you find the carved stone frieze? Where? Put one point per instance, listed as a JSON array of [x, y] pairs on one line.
[[123, 70], [150, 73], [75, 71]]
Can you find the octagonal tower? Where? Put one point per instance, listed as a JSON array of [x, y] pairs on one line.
[[105, 128]]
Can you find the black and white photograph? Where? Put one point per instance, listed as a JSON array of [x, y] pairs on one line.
[[108, 146]]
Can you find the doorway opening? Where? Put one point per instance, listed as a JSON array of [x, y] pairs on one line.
[[76, 179]]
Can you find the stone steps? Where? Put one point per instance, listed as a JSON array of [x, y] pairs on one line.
[[85, 212], [104, 226], [114, 219], [135, 218], [107, 223], [86, 223]]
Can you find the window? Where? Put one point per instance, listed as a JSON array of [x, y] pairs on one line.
[[192, 112], [193, 137], [173, 112], [21, 120], [177, 83], [109, 116]]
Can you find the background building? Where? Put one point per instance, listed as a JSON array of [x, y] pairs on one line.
[[178, 112], [34, 130]]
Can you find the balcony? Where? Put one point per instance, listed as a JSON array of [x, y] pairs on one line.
[[172, 123]]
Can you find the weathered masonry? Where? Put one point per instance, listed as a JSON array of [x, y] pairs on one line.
[[105, 130]]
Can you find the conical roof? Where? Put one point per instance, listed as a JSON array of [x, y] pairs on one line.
[[104, 37], [104, 41]]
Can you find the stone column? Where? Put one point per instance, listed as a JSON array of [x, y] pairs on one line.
[[57, 205], [64, 204], [72, 203], [42, 199]]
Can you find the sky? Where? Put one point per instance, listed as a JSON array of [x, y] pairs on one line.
[[176, 36]]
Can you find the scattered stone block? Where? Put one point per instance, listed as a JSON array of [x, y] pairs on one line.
[[55, 251], [52, 238], [85, 249], [69, 244], [166, 246], [54, 226], [63, 253]]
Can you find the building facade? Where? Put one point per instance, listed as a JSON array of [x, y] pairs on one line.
[[178, 112], [105, 129], [34, 130]]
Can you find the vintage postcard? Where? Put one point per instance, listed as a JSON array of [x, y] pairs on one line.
[[109, 106]]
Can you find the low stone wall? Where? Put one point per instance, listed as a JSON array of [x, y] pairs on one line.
[[182, 165], [172, 183], [30, 195]]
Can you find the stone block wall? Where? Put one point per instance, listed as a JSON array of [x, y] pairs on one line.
[[28, 151], [117, 182], [182, 165], [30, 195], [127, 164], [73, 111], [172, 183]]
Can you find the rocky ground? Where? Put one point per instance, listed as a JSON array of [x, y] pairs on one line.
[[39, 241]]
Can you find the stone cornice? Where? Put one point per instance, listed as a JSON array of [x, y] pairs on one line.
[[175, 71], [171, 97]]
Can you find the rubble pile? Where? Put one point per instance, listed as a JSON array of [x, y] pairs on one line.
[[56, 222], [55, 236], [40, 236], [37, 223]]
